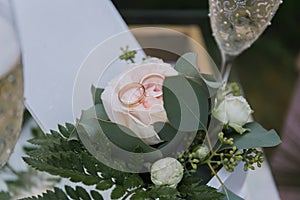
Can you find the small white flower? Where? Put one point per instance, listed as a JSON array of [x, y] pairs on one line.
[[233, 111], [202, 152], [167, 171]]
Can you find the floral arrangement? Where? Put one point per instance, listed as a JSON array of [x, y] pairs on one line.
[[155, 132]]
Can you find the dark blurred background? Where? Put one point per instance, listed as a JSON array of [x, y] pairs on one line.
[[267, 71]]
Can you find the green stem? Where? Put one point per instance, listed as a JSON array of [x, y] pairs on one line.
[[215, 173], [131, 59]]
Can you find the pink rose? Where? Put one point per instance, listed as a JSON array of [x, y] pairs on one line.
[[140, 117]]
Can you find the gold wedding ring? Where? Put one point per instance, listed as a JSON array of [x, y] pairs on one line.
[[149, 76], [127, 88]]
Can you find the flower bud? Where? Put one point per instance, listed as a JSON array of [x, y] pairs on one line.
[[202, 152], [167, 171]]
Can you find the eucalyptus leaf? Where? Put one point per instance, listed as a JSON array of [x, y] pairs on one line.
[[187, 65], [114, 144], [186, 103], [211, 81], [96, 111], [123, 137], [256, 137], [96, 93], [101, 113], [229, 195], [165, 131]]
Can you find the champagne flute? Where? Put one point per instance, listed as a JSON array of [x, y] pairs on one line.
[[236, 24], [11, 83]]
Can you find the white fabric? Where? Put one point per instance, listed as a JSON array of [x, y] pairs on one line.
[[56, 36]]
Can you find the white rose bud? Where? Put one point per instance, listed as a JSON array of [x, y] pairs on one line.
[[202, 152], [167, 171], [233, 111]]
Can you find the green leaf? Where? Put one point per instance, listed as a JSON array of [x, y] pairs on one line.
[[104, 185], [201, 192], [187, 65], [96, 111], [63, 131], [123, 137], [101, 113], [92, 129], [186, 103], [60, 194], [50, 195], [73, 135], [164, 192], [133, 181], [89, 164], [211, 81], [117, 192], [256, 137], [229, 195], [82, 193], [71, 192], [191, 181], [96, 195], [64, 164], [139, 195], [165, 131], [5, 195], [96, 93]]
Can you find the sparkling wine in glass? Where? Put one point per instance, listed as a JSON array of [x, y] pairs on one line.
[[11, 83], [236, 24]]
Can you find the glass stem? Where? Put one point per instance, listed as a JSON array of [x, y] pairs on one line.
[[226, 66]]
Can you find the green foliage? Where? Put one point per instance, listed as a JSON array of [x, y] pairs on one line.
[[164, 193], [165, 131], [26, 180], [251, 157], [127, 54], [118, 192], [96, 93], [188, 158], [187, 65], [190, 188], [74, 152], [58, 155], [5, 195], [49, 195], [256, 137], [79, 193], [229, 195], [186, 103]]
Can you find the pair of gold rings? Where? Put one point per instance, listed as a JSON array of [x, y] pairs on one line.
[[140, 88]]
